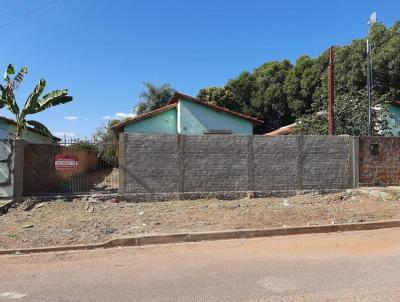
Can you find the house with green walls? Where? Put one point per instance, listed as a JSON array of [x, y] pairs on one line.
[[394, 118], [8, 127], [189, 116]]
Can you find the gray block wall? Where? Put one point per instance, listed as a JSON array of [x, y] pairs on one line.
[[327, 162], [275, 163], [149, 163], [161, 163], [215, 163]]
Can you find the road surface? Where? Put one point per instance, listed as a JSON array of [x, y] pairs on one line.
[[358, 266]]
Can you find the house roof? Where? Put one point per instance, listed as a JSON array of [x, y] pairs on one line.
[[172, 104], [119, 127], [395, 103], [285, 130], [12, 122], [175, 98]]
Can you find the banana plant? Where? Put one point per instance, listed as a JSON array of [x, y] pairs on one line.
[[33, 104]]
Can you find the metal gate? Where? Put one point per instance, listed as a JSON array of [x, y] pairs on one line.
[[71, 167]]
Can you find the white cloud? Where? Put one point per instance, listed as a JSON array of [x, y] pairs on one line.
[[65, 134], [124, 115], [119, 116], [71, 117]]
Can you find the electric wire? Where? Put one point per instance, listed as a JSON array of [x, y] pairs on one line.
[[28, 14]]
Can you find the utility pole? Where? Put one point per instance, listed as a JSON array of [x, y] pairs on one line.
[[371, 22], [369, 84], [331, 93]]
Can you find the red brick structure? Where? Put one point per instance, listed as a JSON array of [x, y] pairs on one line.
[[379, 161]]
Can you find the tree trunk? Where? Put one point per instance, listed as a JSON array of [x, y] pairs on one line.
[[18, 128]]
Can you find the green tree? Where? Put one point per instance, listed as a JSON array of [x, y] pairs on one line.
[[219, 96], [269, 101], [351, 115], [103, 142], [300, 84], [260, 94], [105, 138], [242, 90], [154, 97], [351, 111], [34, 103], [281, 93]]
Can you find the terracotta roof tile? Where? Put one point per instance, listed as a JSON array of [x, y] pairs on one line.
[[285, 130], [178, 96], [118, 127]]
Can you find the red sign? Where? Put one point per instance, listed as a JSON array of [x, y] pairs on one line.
[[66, 162]]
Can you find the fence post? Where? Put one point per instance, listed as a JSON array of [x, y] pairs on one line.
[[250, 165], [122, 162], [18, 171], [300, 162], [181, 164], [355, 161]]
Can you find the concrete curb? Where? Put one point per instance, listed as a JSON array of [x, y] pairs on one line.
[[212, 236]]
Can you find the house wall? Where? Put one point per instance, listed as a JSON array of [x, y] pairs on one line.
[[394, 120], [194, 119], [220, 163], [164, 122], [4, 130], [27, 135], [7, 160]]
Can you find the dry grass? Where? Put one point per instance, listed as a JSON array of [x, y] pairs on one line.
[[63, 223]]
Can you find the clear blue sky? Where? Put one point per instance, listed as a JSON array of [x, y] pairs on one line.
[[102, 50]]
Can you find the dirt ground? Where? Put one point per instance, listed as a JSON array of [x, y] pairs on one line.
[[78, 221]]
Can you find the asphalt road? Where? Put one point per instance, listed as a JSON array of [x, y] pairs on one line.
[[358, 266]]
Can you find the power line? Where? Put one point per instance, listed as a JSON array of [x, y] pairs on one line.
[[28, 14]]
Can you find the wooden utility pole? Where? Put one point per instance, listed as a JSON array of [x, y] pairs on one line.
[[331, 94]]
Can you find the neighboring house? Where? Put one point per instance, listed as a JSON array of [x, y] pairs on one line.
[[394, 118], [7, 131], [393, 123], [190, 116], [285, 130]]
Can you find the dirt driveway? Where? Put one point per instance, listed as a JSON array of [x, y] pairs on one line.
[[75, 222]]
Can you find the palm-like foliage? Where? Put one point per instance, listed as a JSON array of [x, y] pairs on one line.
[[34, 103], [154, 97]]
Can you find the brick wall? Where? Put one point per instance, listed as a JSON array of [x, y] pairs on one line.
[[159, 163], [379, 160]]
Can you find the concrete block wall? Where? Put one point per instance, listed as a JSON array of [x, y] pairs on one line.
[[160, 163], [379, 161], [214, 163], [275, 163], [327, 162], [148, 163]]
